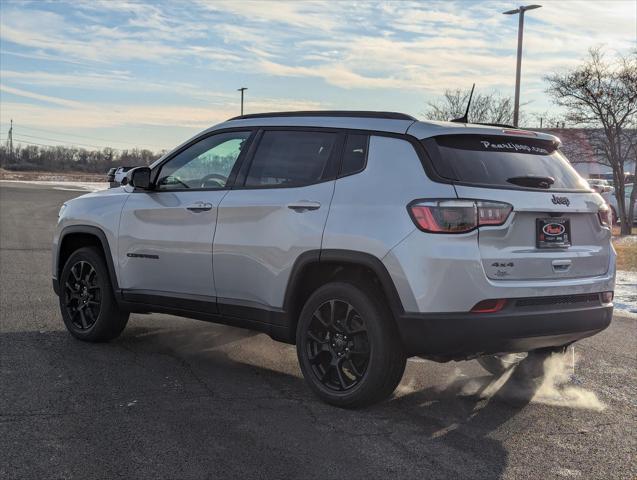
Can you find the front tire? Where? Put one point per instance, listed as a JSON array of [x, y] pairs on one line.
[[348, 346], [87, 303]]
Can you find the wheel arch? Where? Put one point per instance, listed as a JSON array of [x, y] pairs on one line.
[[317, 267], [74, 237]]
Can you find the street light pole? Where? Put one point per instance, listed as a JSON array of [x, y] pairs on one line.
[[242, 89], [518, 69]]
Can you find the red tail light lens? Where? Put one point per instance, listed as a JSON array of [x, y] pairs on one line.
[[489, 306], [457, 216], [605, 216], [446, 216], [524, 133]]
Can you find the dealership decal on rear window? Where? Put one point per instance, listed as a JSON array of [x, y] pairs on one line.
[[513, 147]]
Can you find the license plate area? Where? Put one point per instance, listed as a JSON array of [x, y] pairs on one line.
[[552, 232]]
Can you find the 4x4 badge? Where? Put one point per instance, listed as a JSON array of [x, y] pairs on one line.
[[560, 200]]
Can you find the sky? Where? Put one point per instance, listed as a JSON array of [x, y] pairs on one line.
[[125, 74]]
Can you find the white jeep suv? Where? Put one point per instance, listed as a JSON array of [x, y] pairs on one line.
[[362, 237]]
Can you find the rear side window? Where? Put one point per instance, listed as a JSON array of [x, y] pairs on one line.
[[496, 160], [291, 158], [355, 154]]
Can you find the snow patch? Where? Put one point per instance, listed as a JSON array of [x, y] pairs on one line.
[[626, 291], [65, 185]]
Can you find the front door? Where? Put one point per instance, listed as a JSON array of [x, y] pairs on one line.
[[165, 243]]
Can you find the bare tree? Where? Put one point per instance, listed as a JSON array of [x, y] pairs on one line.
[[548, 120], [602, 94], [485, 108], [62, 159]]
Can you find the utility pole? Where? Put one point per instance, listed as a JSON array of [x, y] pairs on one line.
[[518, 69], [242, 89], [10, 142]]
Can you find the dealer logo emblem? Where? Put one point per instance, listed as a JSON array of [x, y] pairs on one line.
[[553, 229]]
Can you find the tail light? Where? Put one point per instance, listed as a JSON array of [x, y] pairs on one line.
[[524, 133], [457, 216], [605, 216]]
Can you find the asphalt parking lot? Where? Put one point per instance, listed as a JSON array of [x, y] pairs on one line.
[[182, 399]]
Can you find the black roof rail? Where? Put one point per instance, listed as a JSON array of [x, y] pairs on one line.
[[330, 113]]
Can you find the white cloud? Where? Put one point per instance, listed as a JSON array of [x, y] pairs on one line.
[[193, 51], [49, 32], [36, 96], [63, 113], [314, 15]]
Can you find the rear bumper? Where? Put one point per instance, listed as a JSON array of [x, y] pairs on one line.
[[457, 336]]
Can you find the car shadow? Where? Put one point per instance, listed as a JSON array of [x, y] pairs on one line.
[[188, 394], [453, 421]]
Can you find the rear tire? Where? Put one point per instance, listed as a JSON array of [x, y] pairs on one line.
[[87, 303], [348, 346]]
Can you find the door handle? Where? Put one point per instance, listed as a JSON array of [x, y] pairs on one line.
[[199, 207], [304, 206]]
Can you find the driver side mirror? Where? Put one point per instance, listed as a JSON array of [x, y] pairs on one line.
[[139, 177]]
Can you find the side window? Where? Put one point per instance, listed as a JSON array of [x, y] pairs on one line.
[[291, 158], [206, 164], [355, 154]]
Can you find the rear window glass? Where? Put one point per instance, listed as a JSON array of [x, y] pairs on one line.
[[494, 160]]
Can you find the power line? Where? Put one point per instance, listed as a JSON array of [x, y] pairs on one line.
[[38, 144], [65, 141], [84, 136], [21, 141], [10, 140], [64, 144]]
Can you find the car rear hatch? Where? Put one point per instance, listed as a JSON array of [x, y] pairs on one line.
[[555, 229]]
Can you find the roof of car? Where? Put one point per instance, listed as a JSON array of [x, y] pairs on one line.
[[376, 121], [330, 113], [390, 122]]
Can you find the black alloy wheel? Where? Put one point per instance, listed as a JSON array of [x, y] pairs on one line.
[[87, 300], [337, 345], [82, 295], [348, 345]]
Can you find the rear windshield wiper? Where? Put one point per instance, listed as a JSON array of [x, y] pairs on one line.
[[533, 181]]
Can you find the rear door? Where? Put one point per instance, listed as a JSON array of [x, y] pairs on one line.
[[554, 231], [278, 213]]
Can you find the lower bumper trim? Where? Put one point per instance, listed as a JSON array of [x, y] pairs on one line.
[[457, 336]]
